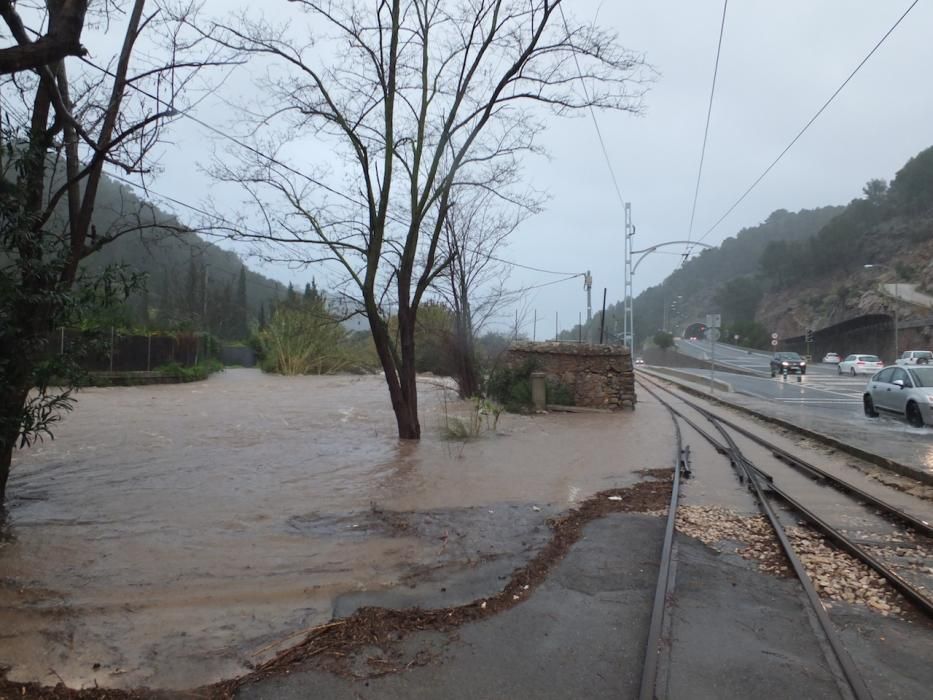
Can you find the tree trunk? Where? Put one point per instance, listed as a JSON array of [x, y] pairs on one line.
[[6, 457], [400, 381], [467, 375], [409, 428], [12, 400]]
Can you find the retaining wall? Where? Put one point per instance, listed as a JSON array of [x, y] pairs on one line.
[[598, 376]]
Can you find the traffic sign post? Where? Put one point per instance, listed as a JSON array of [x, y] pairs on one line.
[[713, 322], [774, 343]]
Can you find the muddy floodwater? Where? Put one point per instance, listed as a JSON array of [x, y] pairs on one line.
[[169, 532]]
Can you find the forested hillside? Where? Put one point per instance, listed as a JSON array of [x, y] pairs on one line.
[[690, 290], [187, 281], [826, 281]]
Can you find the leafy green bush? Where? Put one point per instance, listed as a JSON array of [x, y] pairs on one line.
[[202, 370], [303, 338], [512, 386], [663, 339], [559, 394]]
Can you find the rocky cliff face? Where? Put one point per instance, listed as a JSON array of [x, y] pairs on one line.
[[903, 248]]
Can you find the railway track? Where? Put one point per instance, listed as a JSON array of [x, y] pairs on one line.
[[789, 488]]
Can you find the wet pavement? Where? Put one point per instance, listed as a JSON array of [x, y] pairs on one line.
[[839, 417], [735, 634], [169, 532]]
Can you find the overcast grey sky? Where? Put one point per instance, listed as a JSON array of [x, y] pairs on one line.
[[780, 62]]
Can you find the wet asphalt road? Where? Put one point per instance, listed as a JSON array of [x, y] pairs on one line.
[[821, 388], [821, 400]]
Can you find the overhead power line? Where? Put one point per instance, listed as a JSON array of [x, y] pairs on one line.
[[586, 94], [219, 219], [223, 134], [213, 129], [548, 284], [810, 122], [709, 112]]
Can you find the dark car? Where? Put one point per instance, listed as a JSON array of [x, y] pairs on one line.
[[789, 362]]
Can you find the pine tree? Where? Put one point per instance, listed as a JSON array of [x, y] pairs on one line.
[[192, 290], [144, 302], [262, 317], [312, 295], [241, 323], [226, 313]]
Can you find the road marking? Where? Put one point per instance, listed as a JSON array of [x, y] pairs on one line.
[[806, 400]]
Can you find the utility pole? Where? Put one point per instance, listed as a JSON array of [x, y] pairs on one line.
[[628, 322], [206, 268], [602, 319], [588, 286], [897, 299]]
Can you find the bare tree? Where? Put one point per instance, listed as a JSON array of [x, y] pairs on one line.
[[477, 225], [58, 134], [62, 37], [409, 95]]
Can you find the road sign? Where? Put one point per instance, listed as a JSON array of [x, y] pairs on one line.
[[774, 336], [774, 342], [713, 320], [713, 334]]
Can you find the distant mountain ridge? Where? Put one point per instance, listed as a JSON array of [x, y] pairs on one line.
[[799, 270]]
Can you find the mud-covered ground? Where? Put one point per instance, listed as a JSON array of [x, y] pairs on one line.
[[172, 536]]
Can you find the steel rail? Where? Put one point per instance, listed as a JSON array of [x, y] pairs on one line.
[[904, 587], [813, 470], [849, 668], [649, 673], [752, 475]]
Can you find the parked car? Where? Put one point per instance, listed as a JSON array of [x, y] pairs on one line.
[[860, 364], [915, 357], [905, 391], [789, 362], [831, 358]]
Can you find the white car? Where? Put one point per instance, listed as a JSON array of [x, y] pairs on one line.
[[639, 361], [860, 364], [831, 358], [916, 357], [904, 391]]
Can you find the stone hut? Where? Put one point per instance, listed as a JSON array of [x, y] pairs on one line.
[[598, 376]]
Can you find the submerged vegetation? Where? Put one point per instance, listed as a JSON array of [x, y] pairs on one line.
[[482, 416], [304, 336]]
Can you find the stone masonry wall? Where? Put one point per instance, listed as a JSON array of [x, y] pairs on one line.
[[599, 376]]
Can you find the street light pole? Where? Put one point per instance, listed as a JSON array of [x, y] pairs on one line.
[[897, 298], [628, 320]]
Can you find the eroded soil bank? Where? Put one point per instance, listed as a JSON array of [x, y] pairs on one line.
[[172, 536]]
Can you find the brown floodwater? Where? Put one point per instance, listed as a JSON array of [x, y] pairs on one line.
[[170, 531]]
